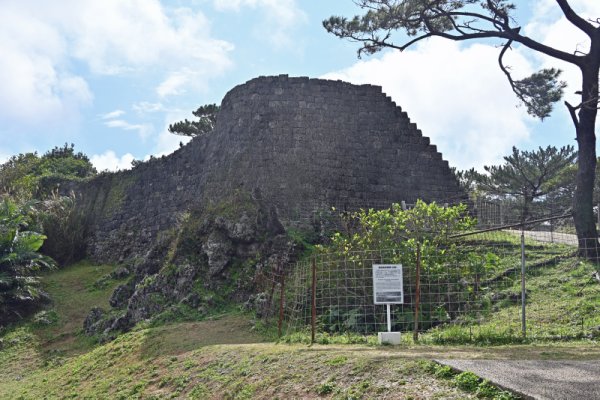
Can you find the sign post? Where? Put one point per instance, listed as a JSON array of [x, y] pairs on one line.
[[388, 290]]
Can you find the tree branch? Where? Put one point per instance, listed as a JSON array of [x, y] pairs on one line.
[[575, 19], [506, 33], [428, 19], [513, 85], [505, 70], [550, 51], [573, 113]]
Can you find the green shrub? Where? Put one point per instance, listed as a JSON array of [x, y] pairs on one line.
[[467, 381], [325, 388], [20, 261], [443, 371]]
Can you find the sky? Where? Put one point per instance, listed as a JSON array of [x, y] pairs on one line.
[[110, 75]]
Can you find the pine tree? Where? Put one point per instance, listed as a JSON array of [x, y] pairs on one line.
[[207, 115]]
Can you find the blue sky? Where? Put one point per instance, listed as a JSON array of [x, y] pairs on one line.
[[110, 75]]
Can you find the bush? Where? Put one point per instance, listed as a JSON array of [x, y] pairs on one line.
[[65, 227], [19, 262], [467, 381]]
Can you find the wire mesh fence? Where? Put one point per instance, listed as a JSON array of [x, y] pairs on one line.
[[498, 285], [551, 215]]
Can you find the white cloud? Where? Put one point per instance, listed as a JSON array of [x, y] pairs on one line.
[[114, 36], [40, 43], [280, 18], [145, 107], [34, 86], [4, 158], [167, 142], [143, 130], [456, 95], [112, 114], [111, 162], [175, 83]]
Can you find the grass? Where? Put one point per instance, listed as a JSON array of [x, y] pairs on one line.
[[132, 367], [229, 356], [74, 290], [222, 357], [33, 345], [563, 301]]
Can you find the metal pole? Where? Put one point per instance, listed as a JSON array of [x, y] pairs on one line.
[[313, 319], [389, 318], [523, 300], [551, 224], [281, 303], [417, 293]]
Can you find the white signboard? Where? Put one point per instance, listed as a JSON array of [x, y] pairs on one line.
[[387, 284]]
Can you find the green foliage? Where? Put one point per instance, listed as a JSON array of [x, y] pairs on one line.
[[530, 175], [427, 225], [65, 226], [325, 388], [540, 91], [467, 179], [20, 261], [443, 371], [466, 381], [29, 175], [336, 319], [45, 317], [207, 115], [393, 235]]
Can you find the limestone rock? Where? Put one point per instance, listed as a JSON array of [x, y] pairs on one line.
[[218, 249]]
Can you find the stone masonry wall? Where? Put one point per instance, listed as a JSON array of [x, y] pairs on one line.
[[301, 142]]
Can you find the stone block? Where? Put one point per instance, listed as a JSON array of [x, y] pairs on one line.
[[392, 338]]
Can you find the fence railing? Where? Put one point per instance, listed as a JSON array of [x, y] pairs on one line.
[[497, 285]]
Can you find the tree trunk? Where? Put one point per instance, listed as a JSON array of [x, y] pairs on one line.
[[527, 200], [583, 213]]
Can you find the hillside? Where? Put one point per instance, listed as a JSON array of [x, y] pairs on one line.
[[224, 356]]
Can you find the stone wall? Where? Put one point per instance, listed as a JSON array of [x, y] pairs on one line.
[[301, 142]]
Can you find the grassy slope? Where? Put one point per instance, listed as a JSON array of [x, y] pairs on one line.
[[73, 293], [146, 364], [563, 300], [185, 361], [220, 358], [224, 357], [74, 290]]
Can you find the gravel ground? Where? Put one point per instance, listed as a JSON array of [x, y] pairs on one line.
[[540, 379]]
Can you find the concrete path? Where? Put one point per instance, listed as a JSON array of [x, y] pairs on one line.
[[539, 379]]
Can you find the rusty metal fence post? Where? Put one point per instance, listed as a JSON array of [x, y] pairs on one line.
[[313, 316], [281, 303], [523, 290], [417, 293]]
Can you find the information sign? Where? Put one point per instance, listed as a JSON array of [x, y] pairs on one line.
[[387, 284]]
